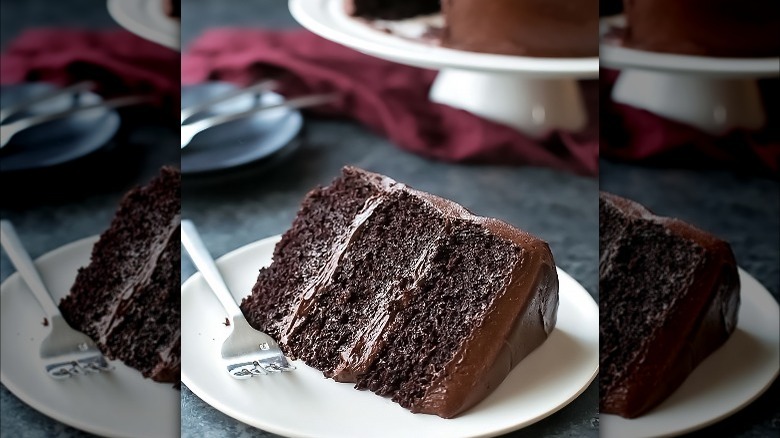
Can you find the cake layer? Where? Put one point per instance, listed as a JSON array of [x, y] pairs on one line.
[[727, 28], [669, 296], [537, 28], [414, 297], [300, 255], [127, 299]]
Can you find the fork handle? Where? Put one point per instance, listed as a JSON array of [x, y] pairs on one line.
[[264, 85], [205, 263], [51, 94], [24, 265]]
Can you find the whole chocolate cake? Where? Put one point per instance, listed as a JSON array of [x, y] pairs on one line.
[[537, 28], [128, 298], [724, 28], [669, 297], [405, 294]]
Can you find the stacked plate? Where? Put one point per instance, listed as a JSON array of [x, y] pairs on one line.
[[255, 141], [60, 141]]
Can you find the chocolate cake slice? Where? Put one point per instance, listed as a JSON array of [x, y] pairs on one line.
[[406, 294], [127, 299], [669, 297]]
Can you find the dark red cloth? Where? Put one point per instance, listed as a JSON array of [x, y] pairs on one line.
[[390, 98], [120, 62], [632, 134]]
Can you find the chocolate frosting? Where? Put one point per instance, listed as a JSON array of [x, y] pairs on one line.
[[522, 317], [517, 321], [730, 28], [701, 321], [542, 28]]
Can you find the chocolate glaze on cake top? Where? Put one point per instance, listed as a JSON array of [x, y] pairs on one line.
[[723, 28], [127, 299], [669, 297], [535, 28], [409, 295]]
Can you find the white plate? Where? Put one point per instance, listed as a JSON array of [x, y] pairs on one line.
[[120, 403], [728, 380], [613, 55], [305, 404], [146, 19], [329, 19]]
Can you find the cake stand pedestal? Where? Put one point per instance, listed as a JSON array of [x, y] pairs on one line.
[[534, 106], [715, 95], [533, 95]]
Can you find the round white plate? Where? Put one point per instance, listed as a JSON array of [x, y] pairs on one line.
[[120, 403], [146, 19], [728, 380], [305, 404], [329, 19], [613, 55]]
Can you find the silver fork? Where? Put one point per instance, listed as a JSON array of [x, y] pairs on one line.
[[190, 130], [262, 86], [246, 352], [9, 130], [73, 89], [65, 352]]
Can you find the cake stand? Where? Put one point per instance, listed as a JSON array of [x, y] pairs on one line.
[[533, 95], [713, 94], [146, 19]]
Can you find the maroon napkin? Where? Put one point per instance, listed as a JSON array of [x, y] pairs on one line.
[[632, 134], [390, 98], [120, 62]]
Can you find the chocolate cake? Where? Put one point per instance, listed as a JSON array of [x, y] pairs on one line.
[[669, 297], [405, 294], [722, 28], [128, 298], [172, 8], [391, 9], [537, 28]]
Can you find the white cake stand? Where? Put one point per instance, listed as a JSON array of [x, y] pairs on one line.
[[712, 94], [146, 19], [534, 95]]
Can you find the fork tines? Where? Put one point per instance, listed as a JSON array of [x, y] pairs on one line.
[[88, 365], [257, 368]]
